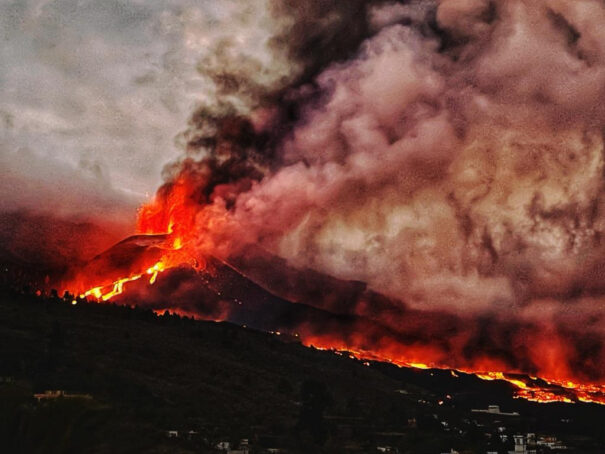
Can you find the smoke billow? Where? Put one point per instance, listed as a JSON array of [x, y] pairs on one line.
[[447, 153]]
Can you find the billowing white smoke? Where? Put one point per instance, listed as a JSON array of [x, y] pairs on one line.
[[458, 174]]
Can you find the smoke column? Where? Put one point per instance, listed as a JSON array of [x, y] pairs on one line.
[[449, 154]]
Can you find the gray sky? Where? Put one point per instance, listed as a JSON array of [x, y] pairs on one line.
[[94, 92]]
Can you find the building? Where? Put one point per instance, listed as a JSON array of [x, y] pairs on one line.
[[520, 444], [524, 445]]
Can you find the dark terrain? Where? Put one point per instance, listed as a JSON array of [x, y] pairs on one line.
[[141, 375]]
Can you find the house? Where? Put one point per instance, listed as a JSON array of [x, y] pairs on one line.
[[521, 444], [172, 433]]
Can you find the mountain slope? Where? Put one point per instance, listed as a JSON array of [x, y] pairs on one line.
[[148, 374]]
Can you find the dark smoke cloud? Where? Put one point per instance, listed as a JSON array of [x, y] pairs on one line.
[[447, 154], [453, 160]]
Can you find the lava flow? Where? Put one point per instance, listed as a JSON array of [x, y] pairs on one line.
[[117, 287], [550, 390], [168, 253], [526, 387]]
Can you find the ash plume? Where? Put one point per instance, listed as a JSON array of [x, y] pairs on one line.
[[448, 154]]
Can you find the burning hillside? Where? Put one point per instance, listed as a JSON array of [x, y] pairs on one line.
[[416, 182]]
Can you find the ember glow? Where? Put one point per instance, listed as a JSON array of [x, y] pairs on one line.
[[437, 166]]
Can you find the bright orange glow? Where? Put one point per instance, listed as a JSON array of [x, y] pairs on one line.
[[169, 213], [541, 390], [177, 244], [117, 288], [418, 366]]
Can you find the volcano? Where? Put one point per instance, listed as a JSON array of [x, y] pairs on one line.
[[261, 291], [216, 290]]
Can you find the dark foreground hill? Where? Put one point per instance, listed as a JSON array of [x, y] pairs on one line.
[[130, 377]]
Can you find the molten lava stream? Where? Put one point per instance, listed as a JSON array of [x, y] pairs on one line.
[[526, 387], [117, 287]]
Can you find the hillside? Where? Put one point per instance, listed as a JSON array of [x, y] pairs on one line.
[[142, 375]]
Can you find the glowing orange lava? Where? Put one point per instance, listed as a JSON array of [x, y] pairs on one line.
[[541, 390], [169, 213], [105, 293]]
